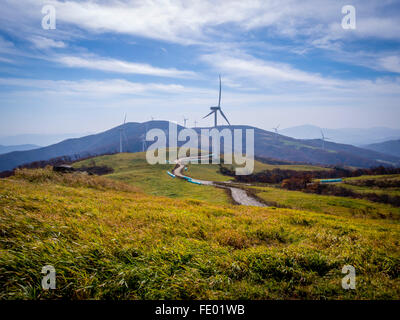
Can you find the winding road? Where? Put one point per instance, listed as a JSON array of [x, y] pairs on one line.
[[240, 196]]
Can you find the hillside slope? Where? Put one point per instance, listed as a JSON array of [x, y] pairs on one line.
[[271, 145], [133, 169], [354, 136], [391, 147], [267, 144], [111, 244], [21, 147]]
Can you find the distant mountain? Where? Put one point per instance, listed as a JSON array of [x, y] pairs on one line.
[[354, 136], [270, 145], [21, 147], [39, 139], [391, 147], [267, 144], [95, 144]]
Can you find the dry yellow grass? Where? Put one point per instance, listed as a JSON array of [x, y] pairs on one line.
[[114, 244]]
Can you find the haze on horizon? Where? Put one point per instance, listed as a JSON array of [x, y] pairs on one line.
[[282, 62]]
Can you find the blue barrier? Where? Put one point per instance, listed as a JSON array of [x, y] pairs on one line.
[[330, 180], [171, 174], [195, 182]]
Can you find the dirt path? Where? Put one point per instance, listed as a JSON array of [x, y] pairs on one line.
[[240, 196]]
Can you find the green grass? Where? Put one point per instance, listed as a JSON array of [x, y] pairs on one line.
[[350, 183], [132, 168], [364, 189], [211, 171], [110, 244], [208, 172], [374, 177], [327, 204], [259, 166]]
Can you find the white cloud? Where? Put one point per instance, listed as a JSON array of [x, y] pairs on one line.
[[390, 63], [284, 84], [247, 67], [6, 60], [6, 46], [91, 87], [193, 21], [119, 66], [44, 43]]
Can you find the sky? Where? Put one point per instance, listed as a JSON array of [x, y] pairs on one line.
[[282, 63]]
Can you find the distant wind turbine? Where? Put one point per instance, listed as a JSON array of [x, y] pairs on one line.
[[276, 130], [143, 144], [122, 132], [195, 124], [215, 109], [143, 139], [184, 121], [323, 139]]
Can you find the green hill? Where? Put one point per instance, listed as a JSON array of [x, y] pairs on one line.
[[391, 147], [132, 168]]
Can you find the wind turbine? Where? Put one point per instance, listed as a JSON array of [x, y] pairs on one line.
[[122, 131], [143, 139], [143, 143], [195, 124], [323, 139], [215, 109], [184, 121], [276, 130]]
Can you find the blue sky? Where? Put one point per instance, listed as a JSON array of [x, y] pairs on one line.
[[282, 62]]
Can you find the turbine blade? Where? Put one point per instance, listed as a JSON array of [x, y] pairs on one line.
[[219, 98], [209, 114], [224, 116]]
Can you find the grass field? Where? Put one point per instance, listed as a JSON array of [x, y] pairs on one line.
[[132, 168], [107, 240], [327, 204], [375, 177], [362, 189], [351, 183], [208, 172], [211, 171]]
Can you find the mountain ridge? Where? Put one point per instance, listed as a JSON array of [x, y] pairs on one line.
[[354, 136], [267, 144], [391, 147], [21, 147]]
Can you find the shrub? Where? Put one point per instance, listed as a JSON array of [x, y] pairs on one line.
[[76, 179]]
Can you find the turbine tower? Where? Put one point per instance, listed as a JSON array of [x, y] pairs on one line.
[[122, 131], [323, 139], [276, 130], [195, 124], [215, 109], [143, 143], [184, 121], [143, 139]]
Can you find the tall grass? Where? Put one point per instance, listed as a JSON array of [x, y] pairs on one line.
[[111, 244], [76, 179]]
